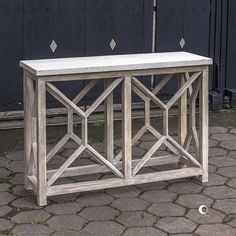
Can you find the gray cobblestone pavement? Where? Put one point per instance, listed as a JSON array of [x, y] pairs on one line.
[[155, 209]]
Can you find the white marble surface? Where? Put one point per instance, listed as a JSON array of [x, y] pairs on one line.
[[80, 65]]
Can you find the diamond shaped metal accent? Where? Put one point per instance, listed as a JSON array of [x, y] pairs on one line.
[[182, 42], [53, 46], [113, 44]]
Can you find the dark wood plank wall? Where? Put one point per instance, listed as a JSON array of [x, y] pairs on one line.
[[85, 28]]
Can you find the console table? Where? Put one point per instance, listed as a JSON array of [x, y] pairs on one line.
[[190, 70]]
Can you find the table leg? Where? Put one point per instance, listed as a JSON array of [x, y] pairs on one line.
[[203, 124], [127, 127], [41, 143], [28, 124], [182, 118], [109, 124]]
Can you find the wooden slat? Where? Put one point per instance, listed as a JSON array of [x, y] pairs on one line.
[[139, 134], [127, 127], [84, 91], [76, 138], [41, 143], [117, 182], [183, 151], [166, 123], [104, 161], [182, 112], [131, 72], [63, 99], [140, 93], [203, 120], [27, 131], [183, 115], [57, 147], [192, 117], [97, 168], [147, 112], [162, 83], [65, 165], [84, 128], [148, 155], [114, 63], [109, 123], [182, 90], [148, 93], [33, 182], [167, 144], [99, 100]]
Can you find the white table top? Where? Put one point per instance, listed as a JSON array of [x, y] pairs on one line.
[[80, 65]]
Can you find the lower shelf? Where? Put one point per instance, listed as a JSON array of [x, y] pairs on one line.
[[118, 182]]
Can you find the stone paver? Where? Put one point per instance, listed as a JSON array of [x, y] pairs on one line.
[[4, 173], [64, 208], [26, 202], [166, 209], [160, 208], [65, 222], [94, 199], [194, 200], [220, 192], [226, 205], [215, 230], [141, 231], [69, 233], [5, 224], [229, 171], [6, 198], [217, 130], [4, 187], [32, 229], [211, 217], [16, 166], [185, 188], [232, 183], [215, 180], [153, 186], [20, 191], [33, 217], [224, 137], [18, 178], [231, 145], [4, 210], [129, 191], [222, 161], [213, 143], [130, 204], [232, 131], [3, 162], [176, 225], [99, 213], [61, 199], [15, 156], [140, 218], [101, 228], [232, 154], [217, 151], [158, 196]]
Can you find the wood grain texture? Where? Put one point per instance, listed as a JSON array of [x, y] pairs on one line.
[[113, 63], [116, 182], [204, 124], [41, 143], [115, 69], [127, 127], [109, 123]]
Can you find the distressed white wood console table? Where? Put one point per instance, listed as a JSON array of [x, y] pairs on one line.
[[39, 76]]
